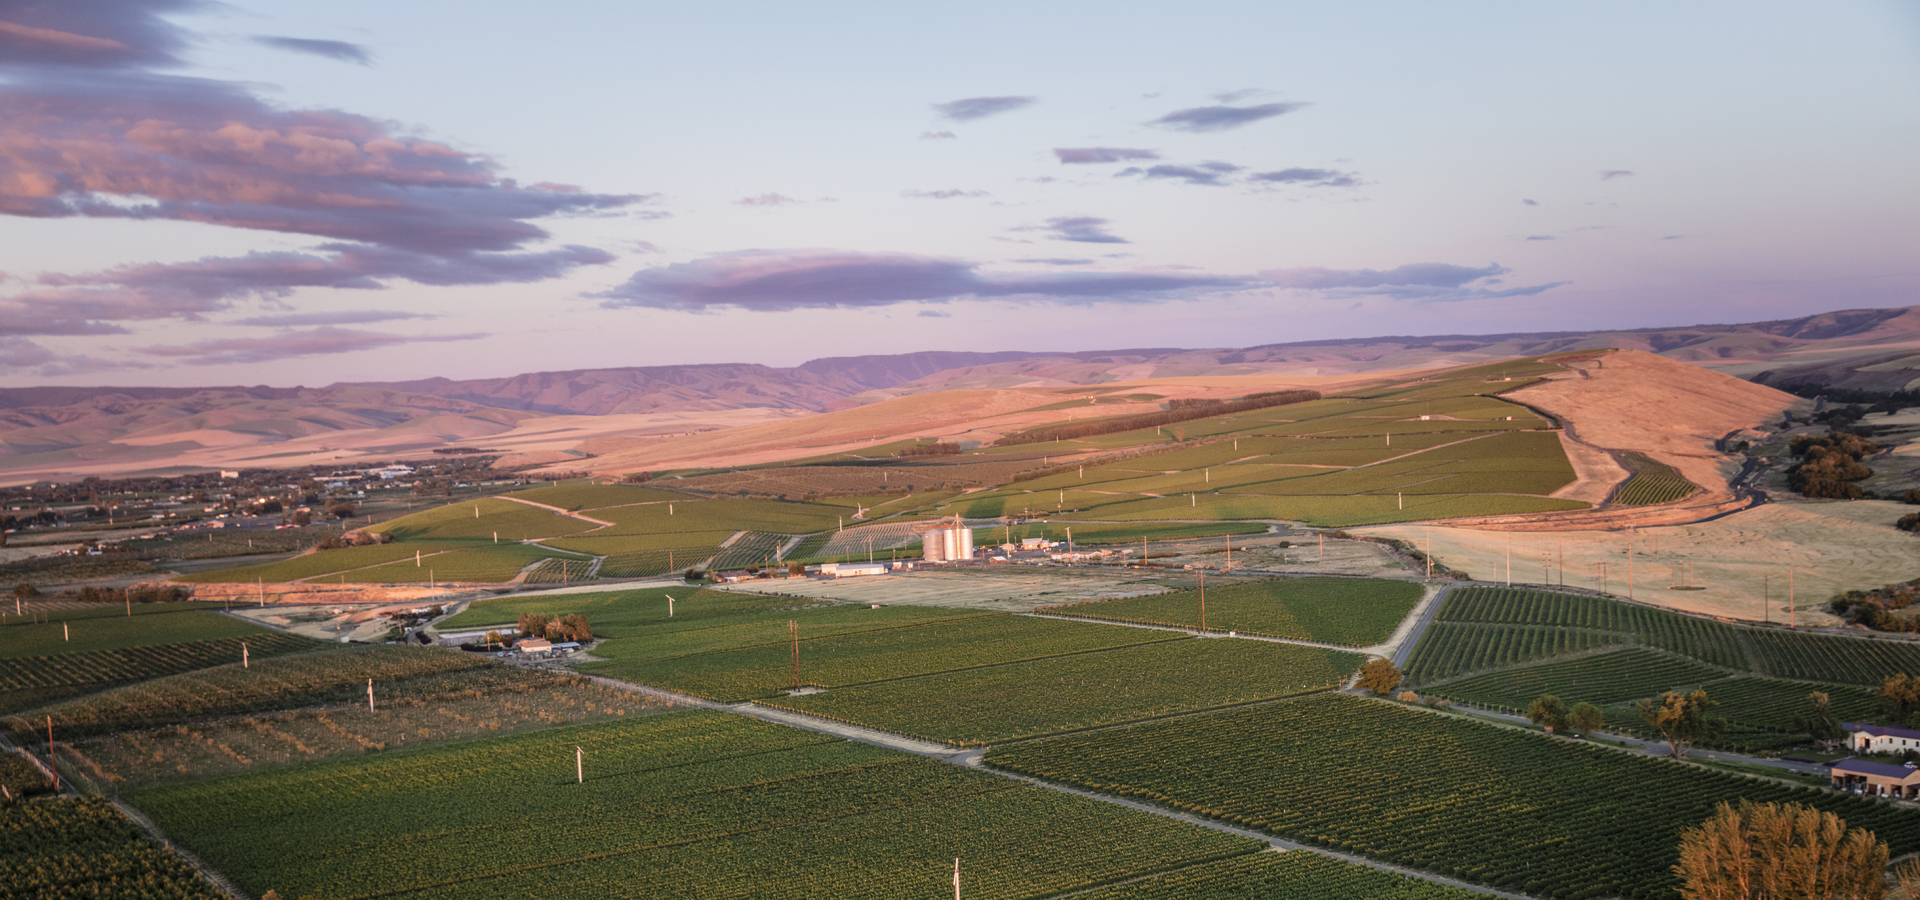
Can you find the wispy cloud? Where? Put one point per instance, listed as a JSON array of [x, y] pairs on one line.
[[948, 194], [319, 341], [1070, 156], [1222, 118], [773, 281], [938, 136], [767, 200], [1213, 174], [1540, 237], [1080, 229], [973, 108], [1529, 202], [1425, 282], [339, 317], [1611, 174], [1055, 261], [338, 50], [1307, 177]]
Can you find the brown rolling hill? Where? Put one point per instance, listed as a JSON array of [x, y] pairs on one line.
[[555, 417]]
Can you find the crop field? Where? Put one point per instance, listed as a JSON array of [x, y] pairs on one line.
[[22, 778], [1281, 875], [692, 804], [324, 718], [768, 628], [613, 611], [1761, 651], [1613, 677], [846, 659], [27, 682], [559, 570], [458, 522], [1065, 693], [1842, 660], [44, 570], [723, 515], [335, 675], [1449, 649], [644, 563], [697, 545], [1549, 817], [754, 548], [109, 628], [1652, 482], [1357, 612], [72, 848], [1334, 510], [484, 563], [316, 564], [580, 497]]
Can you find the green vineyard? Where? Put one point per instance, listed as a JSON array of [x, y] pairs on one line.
[[681, 805], [26, 683], [1356, 612], [1449, 649], [1651, 482], [1544, 816], [1290, 875], [52, 850]]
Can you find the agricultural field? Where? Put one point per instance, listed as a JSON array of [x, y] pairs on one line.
[[559, 570], [580, 496], [21, 778], [482, 520], [30, 681], [489, 563], [1502, 647], [111, 628], [838, 660], [1549, 817], [1351, 611], [974, 707], [1652, 482], [86, 848], [1281, 875], [42, 570], [321, 716], [316, 564], [689, 804]]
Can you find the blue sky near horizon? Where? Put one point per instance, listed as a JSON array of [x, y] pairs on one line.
[[280, 193]]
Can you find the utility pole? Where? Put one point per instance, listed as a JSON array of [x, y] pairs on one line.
[[1789, 596], [1629, 571], [669, 606], [245, 663], [956, 878], [793, 636], [579, 766], [1509, 559], [369, 695], [1766, 597]]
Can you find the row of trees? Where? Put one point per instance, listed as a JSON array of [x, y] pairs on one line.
[[570, 627], [1830, 464]]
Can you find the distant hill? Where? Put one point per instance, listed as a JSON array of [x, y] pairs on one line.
[[64, 432]]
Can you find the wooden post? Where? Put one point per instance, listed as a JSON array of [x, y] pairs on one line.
[[1766, 596], [245, 663], [369, 695], [1509, 559], [1629, 571], [669, 606], [53, 765], [1399, 500], [793, 637], [579, 766], [956, 878], [1789, 596], [65, 633], [129, 599]]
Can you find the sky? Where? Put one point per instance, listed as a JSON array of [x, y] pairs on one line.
[[299, 194]]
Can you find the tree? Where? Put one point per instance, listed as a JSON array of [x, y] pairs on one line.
[[1586, 718], [340, 509], [24, 591], [533, 624], [1819, 722], [1380, 676], [1771, 851], [1683, 719], [1548, 712], [495, 637], [302, 517], [797, 569], [1899, 696]]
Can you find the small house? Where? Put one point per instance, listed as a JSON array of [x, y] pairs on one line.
[[534, 645], [1880, 738]]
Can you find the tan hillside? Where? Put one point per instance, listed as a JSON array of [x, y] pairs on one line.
[[1671, 411]]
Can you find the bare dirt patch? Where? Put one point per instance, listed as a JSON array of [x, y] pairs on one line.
[[1741, 560]]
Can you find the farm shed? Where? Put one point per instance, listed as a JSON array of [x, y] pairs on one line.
[[1877, 779]]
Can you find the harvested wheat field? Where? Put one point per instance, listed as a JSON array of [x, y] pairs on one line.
[[1740, 561]]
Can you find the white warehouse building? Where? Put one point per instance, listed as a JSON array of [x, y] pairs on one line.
[[949, 540]]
